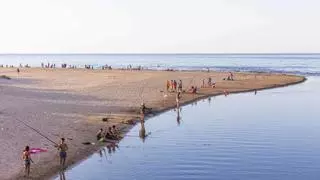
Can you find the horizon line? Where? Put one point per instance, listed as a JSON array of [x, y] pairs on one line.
[[302, 53]]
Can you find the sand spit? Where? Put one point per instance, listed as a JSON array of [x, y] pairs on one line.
[[71, 103]]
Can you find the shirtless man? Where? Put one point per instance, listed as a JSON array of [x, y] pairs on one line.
[[63, 148], [27, 160]]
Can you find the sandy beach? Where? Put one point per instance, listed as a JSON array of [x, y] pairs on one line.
[[71, 103]]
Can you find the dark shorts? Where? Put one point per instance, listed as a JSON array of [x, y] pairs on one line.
[[63, 154], [27, 162]]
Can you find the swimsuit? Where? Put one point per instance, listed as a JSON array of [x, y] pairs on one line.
[[27, 162], [63, 154]]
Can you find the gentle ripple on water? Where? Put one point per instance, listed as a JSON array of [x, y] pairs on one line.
[[242, 136]]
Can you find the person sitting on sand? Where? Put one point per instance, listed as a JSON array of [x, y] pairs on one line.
[[111, 133], [99, 134], [63, 148], [115, 130], [26, 156], [108, 136], [193, 90]]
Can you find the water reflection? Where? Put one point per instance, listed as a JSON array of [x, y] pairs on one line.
[[142, 132], [178, 110], [62, 175]]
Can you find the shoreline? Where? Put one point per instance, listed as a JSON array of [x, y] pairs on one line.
[[159, 112], [124, 97]]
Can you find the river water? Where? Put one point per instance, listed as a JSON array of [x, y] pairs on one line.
[[271, 135]]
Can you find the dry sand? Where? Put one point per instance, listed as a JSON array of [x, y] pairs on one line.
[[71, 103]]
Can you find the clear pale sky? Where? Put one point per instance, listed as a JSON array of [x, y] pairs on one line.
[[159, 26]]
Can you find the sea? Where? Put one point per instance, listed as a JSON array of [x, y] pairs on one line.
[[271, 135], [302, 64]]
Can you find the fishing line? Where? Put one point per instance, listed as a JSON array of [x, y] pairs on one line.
[[35, 130]]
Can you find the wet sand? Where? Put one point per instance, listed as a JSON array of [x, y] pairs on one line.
[[71, 103]]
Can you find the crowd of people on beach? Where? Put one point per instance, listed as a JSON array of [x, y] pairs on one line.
[[12, 66], [106, 67]]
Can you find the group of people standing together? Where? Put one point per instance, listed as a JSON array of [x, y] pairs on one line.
[[174, 86]]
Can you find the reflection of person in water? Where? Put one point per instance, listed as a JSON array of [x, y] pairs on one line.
[[209, 100], [142, 132], [178, 116], [112, 148], [62, 175]]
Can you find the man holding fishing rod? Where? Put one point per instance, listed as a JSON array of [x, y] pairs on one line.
[[63, 148]]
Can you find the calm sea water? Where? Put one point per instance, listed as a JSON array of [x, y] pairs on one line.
[[304, 64], [272, 135]]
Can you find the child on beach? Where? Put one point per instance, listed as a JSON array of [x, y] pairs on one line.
[[62, 147], [26, 156]]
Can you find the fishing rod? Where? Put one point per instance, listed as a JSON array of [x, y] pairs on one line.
[[35, 130]]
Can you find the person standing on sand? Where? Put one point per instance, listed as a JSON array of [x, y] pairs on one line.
[[180, 86], [63, 148], [168, 85], [178, 97], [26, 156], [171, 84]]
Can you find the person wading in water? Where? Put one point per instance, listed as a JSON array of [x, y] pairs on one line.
[[62, 147], [27, 160]]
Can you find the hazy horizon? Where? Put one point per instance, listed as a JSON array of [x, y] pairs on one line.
[[159, 27]]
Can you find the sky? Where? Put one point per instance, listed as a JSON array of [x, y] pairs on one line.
[[159, 26]]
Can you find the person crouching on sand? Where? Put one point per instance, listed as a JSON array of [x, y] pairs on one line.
[[26, 156], [63, 148]]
